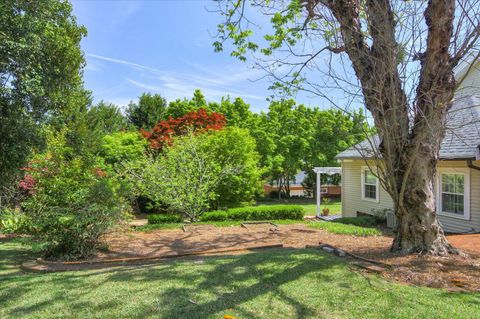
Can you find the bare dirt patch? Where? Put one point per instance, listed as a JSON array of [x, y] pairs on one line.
[[453, 273]]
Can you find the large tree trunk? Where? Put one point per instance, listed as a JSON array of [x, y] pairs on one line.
[[410, 144], [418, 229]]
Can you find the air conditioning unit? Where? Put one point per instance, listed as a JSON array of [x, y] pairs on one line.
[[391, 219]]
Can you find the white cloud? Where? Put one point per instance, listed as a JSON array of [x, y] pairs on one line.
[[145, 86], [94, 66], [131, 64], [172, 84]]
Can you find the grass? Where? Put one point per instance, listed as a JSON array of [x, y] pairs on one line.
[[308, 205], [344, 229], [275, 283], [336, 228]]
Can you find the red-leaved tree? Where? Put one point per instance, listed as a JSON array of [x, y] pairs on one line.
[[199, 121]]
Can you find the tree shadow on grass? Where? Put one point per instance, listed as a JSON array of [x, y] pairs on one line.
[[218, 284], [261, 284], [232, 282], [13, 252]]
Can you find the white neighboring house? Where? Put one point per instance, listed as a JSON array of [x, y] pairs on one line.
[[457, 183]]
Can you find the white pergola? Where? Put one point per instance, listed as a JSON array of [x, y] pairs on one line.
[[319, 171]]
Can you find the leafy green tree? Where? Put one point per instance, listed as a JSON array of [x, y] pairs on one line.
[[184, 178], [81, 135], [290, 130], [180, 107], [106, 118], [149, 109], [85, 126], [237, 113], [120, 150], [234, 147], [333, 132], [40, 74], [260, 129], [123, 147], [199, 172]]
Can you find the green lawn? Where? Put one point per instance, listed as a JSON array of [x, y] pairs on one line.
[[276, 283], [309, 205]]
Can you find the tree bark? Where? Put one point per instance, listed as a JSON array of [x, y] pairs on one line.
[[418, 229]]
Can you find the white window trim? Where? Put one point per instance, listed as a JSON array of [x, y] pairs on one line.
[[377, 199], [466, 197]]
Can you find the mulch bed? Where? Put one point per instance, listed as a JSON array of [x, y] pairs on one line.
[[452, 273]]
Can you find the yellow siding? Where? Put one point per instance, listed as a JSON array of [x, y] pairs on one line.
[[352, 201], [459, 225]]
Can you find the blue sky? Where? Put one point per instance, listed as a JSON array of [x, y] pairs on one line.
[[162, 47]]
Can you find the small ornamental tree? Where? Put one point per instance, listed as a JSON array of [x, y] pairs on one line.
[[185, 177], [196, 121], [200, 172]]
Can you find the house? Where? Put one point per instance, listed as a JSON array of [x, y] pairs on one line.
[[331, 191], [298, 190], [296, 187], [457, 183]]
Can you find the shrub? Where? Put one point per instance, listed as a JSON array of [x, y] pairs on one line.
[[257, 213], [381, 214], [74, 203], [14, 222], [122, 147], [164, 218], [216, 215], [241, 213], [363, 221]]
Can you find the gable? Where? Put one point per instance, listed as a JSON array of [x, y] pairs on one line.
[[462, 136]]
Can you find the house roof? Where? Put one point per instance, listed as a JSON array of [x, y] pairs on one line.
[[462, 137]]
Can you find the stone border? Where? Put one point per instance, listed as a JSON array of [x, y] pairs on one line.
[[365, 263], [245, 224], [42, 265]]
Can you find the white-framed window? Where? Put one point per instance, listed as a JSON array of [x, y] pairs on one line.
[[323, 190], [370, 185], [453, 192]]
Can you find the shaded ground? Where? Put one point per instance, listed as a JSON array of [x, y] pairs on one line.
[[455, 273]]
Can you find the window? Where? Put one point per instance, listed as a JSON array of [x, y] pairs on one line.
[[323, 190], [370, 185], [453, 193]]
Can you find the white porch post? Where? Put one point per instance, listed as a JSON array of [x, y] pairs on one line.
[[319, 171], [318, 192]]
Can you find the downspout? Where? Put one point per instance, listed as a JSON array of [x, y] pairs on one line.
[[470, 165]]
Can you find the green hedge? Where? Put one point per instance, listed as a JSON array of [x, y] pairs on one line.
[[215, 216], [256, 213], [164, 218]]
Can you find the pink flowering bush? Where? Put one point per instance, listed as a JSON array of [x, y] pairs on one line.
[[73, 201]]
